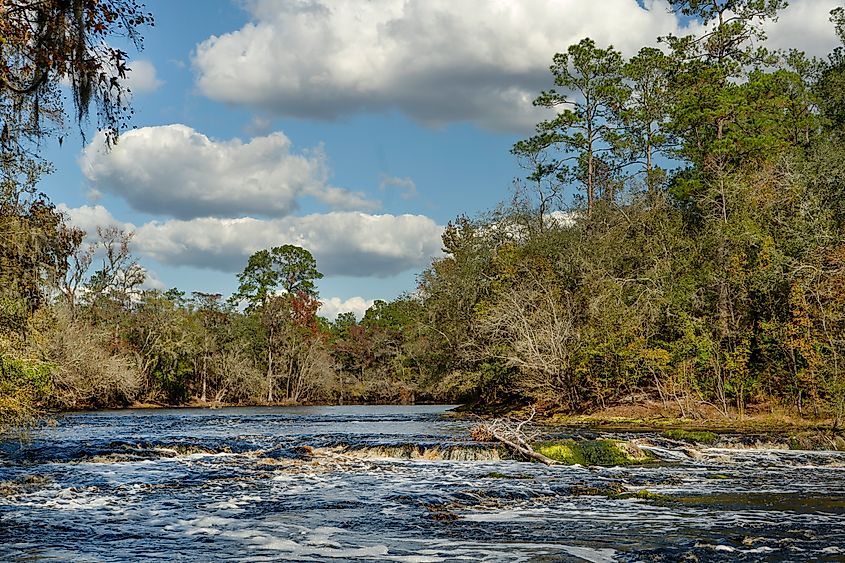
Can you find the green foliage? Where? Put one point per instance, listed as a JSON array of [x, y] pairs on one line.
[[23, 384], [645, 494], [717, 287], [161, 331], [31, 374], [343, 323], [395, 315], [34, 242], [562, 452], [288, 267], [644, 136], [732, 28], [829, 90], [700, 267], [580, 142]]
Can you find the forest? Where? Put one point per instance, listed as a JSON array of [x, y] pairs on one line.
[[678, 237]]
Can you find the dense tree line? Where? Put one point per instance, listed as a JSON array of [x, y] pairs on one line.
[[679, 237], [703, 261], [78, 331]]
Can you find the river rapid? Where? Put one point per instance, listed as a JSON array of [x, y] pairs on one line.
[[371, 484]]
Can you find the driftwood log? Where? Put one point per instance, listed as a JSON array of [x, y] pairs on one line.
[[511, 434]]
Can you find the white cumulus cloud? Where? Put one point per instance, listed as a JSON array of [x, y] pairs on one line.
[[333, 306], [142, 78], [343, 243], [805, 24], [152, 281], [89, 217], [437, 60], [176, 171]]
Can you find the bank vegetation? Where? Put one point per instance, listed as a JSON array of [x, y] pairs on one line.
[[678, 239]]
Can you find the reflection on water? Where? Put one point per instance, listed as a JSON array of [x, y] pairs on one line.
[[270, 484]]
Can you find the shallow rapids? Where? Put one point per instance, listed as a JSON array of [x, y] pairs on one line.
[[393, 484]]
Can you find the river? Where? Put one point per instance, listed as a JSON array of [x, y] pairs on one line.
[[370, 484]]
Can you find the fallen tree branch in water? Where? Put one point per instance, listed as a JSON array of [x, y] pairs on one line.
[[511, 434]]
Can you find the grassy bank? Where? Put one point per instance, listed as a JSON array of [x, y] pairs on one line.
[[651, 416]]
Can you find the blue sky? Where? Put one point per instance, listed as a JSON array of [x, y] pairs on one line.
[[355, 129]]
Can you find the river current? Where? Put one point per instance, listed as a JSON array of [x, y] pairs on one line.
[[371, 484]]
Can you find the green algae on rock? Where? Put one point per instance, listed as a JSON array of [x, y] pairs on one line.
[[617, 490], [603, 453]]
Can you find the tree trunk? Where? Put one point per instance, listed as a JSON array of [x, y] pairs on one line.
[[590, 173], [523, 448], [270, 368], [204, 377]]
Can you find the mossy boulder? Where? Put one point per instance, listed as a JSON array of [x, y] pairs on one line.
[[603, 453]]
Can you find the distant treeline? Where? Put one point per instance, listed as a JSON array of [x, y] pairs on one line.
[[679, 237]]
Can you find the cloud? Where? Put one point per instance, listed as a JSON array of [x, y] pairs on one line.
[[438, 61], [347, 244], [176, 171], [406, 185], [805, 24], [258, 125], [89, 217], [333, 306], [343, 243], [141, 78], [152, 281]]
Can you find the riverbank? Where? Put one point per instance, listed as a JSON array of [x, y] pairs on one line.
[[762, 426], [645, 416]]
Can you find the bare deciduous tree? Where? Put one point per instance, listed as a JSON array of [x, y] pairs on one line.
[[532, 328], [87, 373], [120, 273]]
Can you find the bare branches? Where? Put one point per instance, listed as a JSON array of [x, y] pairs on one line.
[[120, 273], [536, 321], [511, 434]]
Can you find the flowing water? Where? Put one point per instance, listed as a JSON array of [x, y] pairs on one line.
[[392, 484]]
